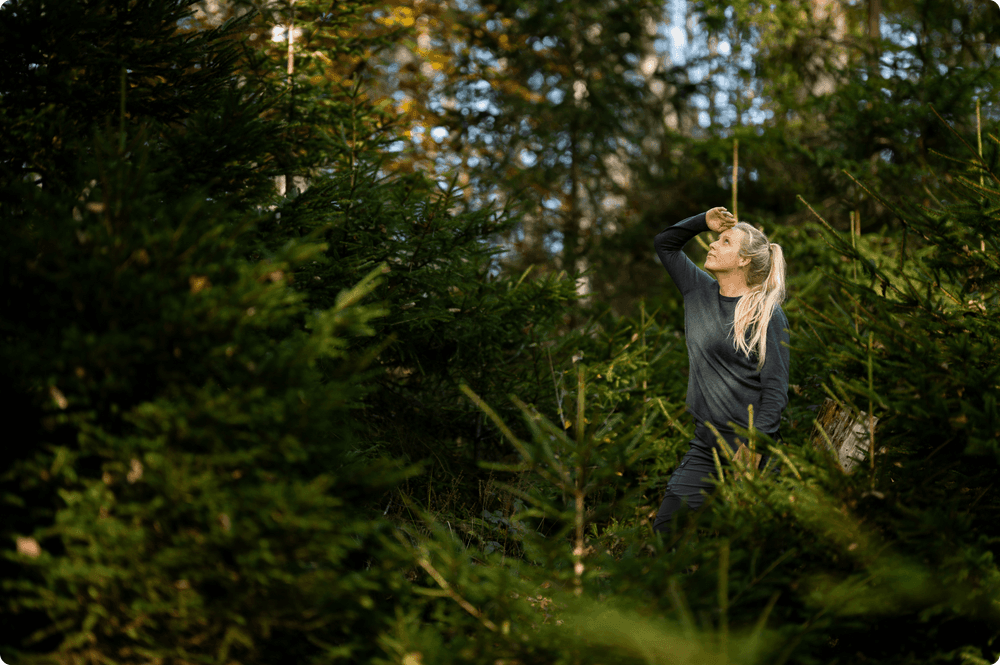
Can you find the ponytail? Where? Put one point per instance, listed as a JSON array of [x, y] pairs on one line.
[[766, 279]]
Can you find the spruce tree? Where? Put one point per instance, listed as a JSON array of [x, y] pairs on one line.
[[182, 485], [452, 315]]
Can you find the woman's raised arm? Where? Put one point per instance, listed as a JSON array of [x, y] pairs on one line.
[[669, 245]]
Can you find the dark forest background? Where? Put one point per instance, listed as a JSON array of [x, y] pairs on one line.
[[333, 331]]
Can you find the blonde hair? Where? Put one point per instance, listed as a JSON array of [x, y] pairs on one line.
[[766, 279]]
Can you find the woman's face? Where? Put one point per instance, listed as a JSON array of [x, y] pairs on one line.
[[724, 253]]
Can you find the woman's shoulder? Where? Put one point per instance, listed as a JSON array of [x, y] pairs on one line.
[[706, 286]]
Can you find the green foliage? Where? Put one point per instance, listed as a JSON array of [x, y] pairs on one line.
[[450, 316], [216, 391], [183, 487], [555, 128], [814, 566], [324, 113], [808, 93]]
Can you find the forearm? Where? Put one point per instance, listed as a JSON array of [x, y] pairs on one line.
[[669, 245], [673, 238]]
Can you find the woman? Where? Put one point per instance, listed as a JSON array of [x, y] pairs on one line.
[[737, 344]]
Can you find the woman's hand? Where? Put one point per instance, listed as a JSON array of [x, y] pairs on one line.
[[719, 219]]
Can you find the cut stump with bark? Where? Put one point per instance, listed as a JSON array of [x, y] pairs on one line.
[[848, 435]]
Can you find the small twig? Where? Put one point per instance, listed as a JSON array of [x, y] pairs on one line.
[[781, 558], [578, 550], [736, 165], [466, 605], [871, 421], [821, 221], [981, 495], [937, 449], [723, 590], [555, 386], [669, 418], [979, 137]]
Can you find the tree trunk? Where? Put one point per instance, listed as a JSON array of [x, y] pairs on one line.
[[571, 223], [874, 14], [289, 179], [848, 436]]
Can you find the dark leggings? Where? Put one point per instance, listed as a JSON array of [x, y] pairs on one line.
[[686, 483], [691, 477]]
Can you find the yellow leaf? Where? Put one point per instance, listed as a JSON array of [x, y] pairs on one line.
[[198, 283], [403, 15]]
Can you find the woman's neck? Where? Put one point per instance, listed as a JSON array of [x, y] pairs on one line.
[[732, 285]]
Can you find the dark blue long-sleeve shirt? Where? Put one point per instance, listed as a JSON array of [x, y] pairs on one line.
[[723, 381]]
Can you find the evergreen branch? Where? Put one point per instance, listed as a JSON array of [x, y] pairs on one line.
[[884, 202], [682, 609], [933, 452], [861, 393], [813, 310], [565, 479], [463, 603], [715, 458], [938, 284], [762, 621], [981, 495], [979, 157], [496, 419], [670, 419], [723, 585], [843, 393], [937, 153], [555, 386], [774, 563], [829, 441], [815, 332], [976, 186], [544, 508], [867, 263], [823, 222], [931, 194], [787, 461], [722, 443]]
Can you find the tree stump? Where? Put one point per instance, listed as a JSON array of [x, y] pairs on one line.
[[848, 435]]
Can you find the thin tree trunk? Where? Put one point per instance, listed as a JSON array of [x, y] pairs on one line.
[[874, 35], [874, 14], [289, 178], [578, 546], [571, 223]]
